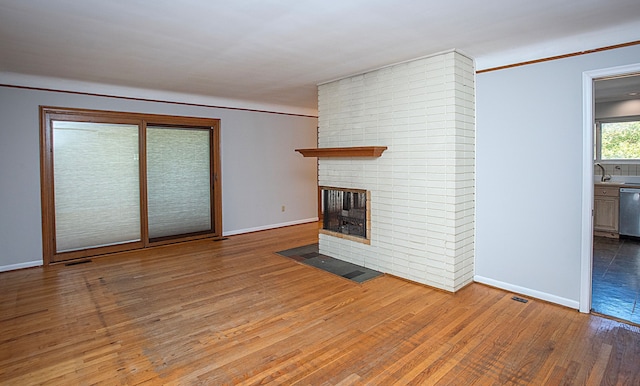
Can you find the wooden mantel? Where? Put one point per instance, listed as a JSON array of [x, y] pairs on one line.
[[362, 151]]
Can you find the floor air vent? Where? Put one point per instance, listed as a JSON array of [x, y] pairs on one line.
[[77, 262]]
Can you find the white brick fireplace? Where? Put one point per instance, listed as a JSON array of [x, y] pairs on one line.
[[422, 187]]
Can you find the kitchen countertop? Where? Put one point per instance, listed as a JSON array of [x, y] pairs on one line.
[[618, 181], [613, 184]]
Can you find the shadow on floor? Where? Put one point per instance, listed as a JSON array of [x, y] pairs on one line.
[[309, 255]]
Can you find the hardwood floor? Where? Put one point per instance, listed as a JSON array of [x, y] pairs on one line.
[[234, 312]]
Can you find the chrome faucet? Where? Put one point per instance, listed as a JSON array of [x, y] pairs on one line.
[[604, 177]]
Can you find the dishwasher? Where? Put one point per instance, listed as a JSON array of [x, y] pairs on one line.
[[630, 212]]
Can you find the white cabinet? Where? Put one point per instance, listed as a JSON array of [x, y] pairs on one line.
[[606, 205]]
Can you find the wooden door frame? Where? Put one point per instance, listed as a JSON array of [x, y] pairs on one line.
[[48, 113]]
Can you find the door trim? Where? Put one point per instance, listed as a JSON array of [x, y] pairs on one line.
[[588, 120]]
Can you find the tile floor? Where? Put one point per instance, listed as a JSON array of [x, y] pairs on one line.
[[616, 278], [309, 255]]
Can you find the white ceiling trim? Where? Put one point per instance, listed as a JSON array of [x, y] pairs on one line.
[[621, 34], [114, 91]]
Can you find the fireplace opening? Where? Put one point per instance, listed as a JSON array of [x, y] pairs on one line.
[[345, 211]]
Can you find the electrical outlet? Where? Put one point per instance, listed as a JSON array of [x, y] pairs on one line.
[[283, 208]]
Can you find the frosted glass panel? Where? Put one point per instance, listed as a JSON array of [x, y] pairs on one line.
[[96, 184], [178, 181]]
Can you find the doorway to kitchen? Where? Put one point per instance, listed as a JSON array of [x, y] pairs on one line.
[[611, 263]]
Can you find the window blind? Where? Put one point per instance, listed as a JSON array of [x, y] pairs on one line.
[[96, 184], [178, 181]]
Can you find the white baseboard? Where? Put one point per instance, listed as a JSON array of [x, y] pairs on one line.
[[528, 291], [12, 267], [31, 264], [271, 226]]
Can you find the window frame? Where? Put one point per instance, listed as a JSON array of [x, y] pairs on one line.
[[49, 114], [597, 136]]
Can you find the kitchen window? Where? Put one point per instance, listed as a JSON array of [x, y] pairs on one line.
[[617, 139]]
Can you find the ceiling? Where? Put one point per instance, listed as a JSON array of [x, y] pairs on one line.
[[277, 51], [618, 88]]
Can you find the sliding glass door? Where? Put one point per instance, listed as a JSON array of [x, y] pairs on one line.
[[178, 181], [97, 185], [120, 181]]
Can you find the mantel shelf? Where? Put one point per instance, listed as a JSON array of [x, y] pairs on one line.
[[362, 151]]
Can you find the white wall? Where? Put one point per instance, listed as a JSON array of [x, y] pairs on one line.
[[422, 200], [261, 172], [529, 174]]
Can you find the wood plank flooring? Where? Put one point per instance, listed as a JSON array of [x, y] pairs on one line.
[[234, 312]]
